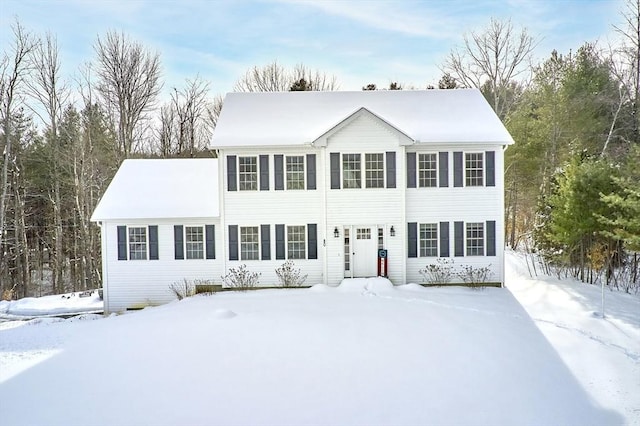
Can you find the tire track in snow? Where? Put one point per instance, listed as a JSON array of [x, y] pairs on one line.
[[626, 352]]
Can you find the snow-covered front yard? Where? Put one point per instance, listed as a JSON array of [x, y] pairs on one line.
[[363, 354]]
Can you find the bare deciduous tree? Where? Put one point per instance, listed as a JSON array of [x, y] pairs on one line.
[[47, 89], [276, 78], [315, 79], [129, 82], [491, 60], [184, 127], [626, 61], [14, 65]]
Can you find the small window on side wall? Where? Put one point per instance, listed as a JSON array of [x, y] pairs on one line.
[[137, 242]]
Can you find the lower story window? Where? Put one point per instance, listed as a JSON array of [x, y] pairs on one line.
[[296, 242], [475, 239], [249, 243], [428, 240], [194, 241], [137, 243]]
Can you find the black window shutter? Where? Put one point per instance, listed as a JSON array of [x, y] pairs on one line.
[[335, 170], [411, 169], [153, 242], [443, 169], [232, 178], [280, 243], [312, 241], [444, 239], [491, 238], [264, 172], [210, 240], [265, 242], [233, 242], [391, 169], [178, 242], [458, 169], [311, 171], [491, 168], [122, 243], [412, 250], [278, 165], [458, 236]]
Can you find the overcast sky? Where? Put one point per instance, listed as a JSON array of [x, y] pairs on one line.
[[359, 42]]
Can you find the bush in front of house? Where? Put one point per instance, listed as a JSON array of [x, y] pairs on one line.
[[438, 273], [182, 289], [289, 275], [241, 278], [474, 277]]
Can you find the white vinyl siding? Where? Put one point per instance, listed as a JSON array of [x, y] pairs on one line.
[[248, 173], [427, 170], [249, 243], [474, 168], [137, 243]]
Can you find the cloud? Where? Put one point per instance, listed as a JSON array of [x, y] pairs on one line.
[[399, 17]]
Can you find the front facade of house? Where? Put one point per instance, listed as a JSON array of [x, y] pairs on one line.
[[325, 179]]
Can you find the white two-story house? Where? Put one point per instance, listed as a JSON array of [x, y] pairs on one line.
[[326, 179]]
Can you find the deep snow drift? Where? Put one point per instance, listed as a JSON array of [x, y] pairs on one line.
[[365, 353]]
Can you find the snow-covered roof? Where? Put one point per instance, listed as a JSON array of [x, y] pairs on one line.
[[157, 189], [296, 118]]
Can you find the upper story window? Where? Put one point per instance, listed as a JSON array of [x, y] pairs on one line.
[[428, 239], [296, 242], [194, 242], [351, 171], [474, 168], [248, 173], [374, 170], [137, 243], [475, 239], [295, 172], [249, 243], [427, 170]]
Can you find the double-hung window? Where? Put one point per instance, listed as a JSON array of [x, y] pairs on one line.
[[194, 242], [137, 243], [427, 170], [475, 239], [249, 243], [248, 173], [296, 242], [374, 170], [295, 172], [474, 168], [351, 171], [428, 240]]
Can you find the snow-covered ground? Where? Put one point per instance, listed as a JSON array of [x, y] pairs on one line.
[[363, 353]]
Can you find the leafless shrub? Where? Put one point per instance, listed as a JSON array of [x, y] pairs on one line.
[[439, 273], [289, 275], [241, 278], [474, 277], [182, 289]]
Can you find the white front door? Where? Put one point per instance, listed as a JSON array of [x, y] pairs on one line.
[[365, 251]]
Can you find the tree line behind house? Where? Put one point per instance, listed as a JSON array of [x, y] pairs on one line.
[[572, 181]]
